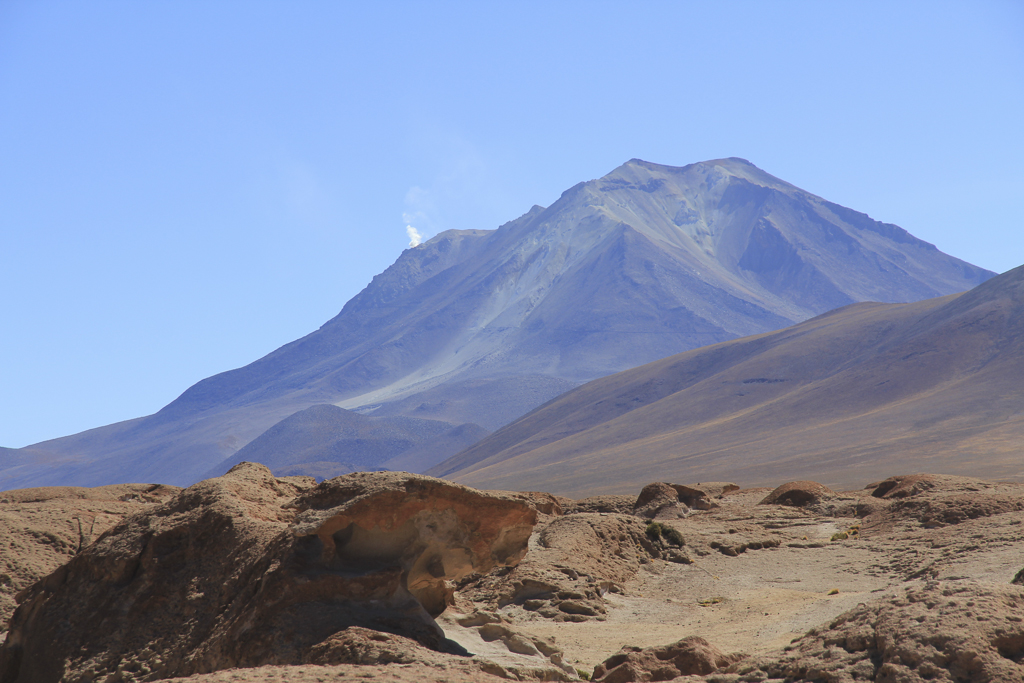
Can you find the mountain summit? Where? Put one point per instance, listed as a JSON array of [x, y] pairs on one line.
[[480, 326]]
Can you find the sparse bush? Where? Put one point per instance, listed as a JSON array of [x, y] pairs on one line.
[[673, 536], [584, 675], [657, 531], [841, 536]]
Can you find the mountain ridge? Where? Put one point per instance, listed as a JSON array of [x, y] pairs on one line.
[[936, 382], [637, 265]]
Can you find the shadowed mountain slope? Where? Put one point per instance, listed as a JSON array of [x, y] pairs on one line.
[[481, 326], [936, 386], [326, 441]]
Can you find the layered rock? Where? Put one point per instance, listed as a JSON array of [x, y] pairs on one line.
[[249, 569]]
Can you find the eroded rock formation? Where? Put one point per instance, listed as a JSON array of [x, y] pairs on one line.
[[249, 569], [938, 631], [800, 494], [690, 656], [42, 528], [573, 562]]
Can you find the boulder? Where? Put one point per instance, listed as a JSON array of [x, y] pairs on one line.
[[707, 489], [800, 494], [662, 500], [659, 501], [248, 569], [692, 656]]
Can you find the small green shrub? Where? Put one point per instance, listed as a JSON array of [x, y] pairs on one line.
[[841, 536], [673, 536], [584, 675], [657, 531]]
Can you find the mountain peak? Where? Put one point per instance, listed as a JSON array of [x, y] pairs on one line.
[[480, 326]]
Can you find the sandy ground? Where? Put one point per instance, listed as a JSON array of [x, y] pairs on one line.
[[762, 599], [753, 601]]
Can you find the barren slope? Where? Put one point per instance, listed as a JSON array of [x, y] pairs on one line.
[[936, 385]]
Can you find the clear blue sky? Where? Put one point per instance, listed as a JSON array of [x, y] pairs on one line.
[[185, 186]]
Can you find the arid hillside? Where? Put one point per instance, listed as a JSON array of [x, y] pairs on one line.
[[936, 385]]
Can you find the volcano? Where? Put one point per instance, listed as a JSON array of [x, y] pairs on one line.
[[479, 327]]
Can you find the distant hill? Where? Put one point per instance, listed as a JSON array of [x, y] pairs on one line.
[[481, 326], [932, 386], [326, 441]]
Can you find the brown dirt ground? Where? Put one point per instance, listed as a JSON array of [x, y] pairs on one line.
[[754, 601]]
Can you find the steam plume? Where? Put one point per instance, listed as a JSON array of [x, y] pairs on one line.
[[415, 238]]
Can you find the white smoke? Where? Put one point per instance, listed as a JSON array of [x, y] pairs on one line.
[[415, 238]]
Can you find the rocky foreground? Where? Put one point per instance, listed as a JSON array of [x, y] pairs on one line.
[[398, 577]]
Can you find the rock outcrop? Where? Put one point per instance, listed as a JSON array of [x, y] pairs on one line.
[[936, 500], [620, 504], [662, 500], [368, 648], [659, 501], [690, 656], [573, 562], [909, 485], [249, 569], [800, 494], [42, 528], [936, 631]]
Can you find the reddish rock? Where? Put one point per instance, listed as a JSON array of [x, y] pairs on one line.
[[247, 570], [662, 500], [692, 656], [904, 486], [800, 494], [659, 500]]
